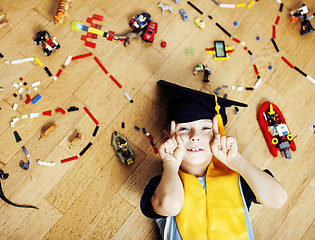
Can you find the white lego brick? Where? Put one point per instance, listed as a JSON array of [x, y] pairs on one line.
[[227, 5], [50, 164], [15, 106], [24, 116], [34, 115], [68, 60], [240, 89], [35, 88], [35, 84], [21, 90], [15, 85]]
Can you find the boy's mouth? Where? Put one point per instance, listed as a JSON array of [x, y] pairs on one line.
[[194, 149]]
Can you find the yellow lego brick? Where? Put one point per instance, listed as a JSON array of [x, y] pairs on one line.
[[251, 4], [210, 52], [96, 31], [229, 48], [220, 58], [240, 5], [38, 61]]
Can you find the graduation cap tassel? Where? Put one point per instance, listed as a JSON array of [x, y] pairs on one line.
[[219, 118]]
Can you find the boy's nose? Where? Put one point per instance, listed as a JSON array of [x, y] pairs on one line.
[[195, 138]]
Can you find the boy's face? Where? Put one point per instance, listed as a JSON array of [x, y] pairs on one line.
[[197, 136]]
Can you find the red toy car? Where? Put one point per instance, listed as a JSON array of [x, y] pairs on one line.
[[148, 36], [275, 130]]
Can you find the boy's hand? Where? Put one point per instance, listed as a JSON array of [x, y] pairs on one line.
[[173, 149], [223, 148]]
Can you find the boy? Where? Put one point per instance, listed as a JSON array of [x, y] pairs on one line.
[[206, 186]]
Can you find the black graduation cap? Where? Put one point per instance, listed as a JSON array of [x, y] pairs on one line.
[[187, 105]]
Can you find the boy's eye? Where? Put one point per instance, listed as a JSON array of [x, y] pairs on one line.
[[182, 129], [206, 128]]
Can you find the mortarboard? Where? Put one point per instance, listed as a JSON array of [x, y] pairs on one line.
[[187, 105]]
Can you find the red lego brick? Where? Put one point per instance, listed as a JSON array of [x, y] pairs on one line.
[[69, 159], [115, 81], [101, 65], [236, 40], [89, 20], [47, 113], [60, 110], [93, 25], [277, 20], [287, 62], [110, 35], [82, 56], [83, 37], [59, 72], [28, 99], [91, 116], [98, 17], [274, 31], [90, 44]]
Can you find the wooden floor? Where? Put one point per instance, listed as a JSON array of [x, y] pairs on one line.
[[97, 197]]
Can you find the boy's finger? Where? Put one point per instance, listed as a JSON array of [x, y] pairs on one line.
[[173, 129], [215, 126]]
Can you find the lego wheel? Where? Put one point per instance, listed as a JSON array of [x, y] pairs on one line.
[[47, 52], [36, 41]]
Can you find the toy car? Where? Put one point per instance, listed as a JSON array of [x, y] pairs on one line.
[[140, 21], [275, 130], [183, 14], [123, 151], [200, 23], [148, 36], [47, 42], [306, 26]]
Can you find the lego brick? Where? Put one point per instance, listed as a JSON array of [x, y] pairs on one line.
[[59, 73], [38, 61], [91, 116], [25, 151], [82, 56], [47, 71], [47, 113], [17, 137], [60, 110], [90, 44], [251, 4], [255, 69], [236, 40], [69, 58], [128, 97], [28, 99], [36, 99], [95, 131], [83, 37], [227, 5], [274, 44], [85, 149], [300, 71], [287, 62], [274, 31], [226, 32], [97, 17], [110, 35], [194, 7], [72, 109], [89, 20], [101, 65], [69, 159], [115, 81], [277, 20]]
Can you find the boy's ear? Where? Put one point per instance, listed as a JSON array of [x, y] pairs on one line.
[[166, 135]]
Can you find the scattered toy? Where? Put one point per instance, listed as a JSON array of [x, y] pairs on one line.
[[2, 196], [165, 8], [123, 151], [301, 13], [47, 41], [183, 14], [140, 21], [151, 30], [52, 128], [275, 130], [200, 23], [77, 137], [25, 165], [62, 11], [163, 44]]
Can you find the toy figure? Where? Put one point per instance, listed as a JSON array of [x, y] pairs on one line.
[[52, 128], [47, 41], [4, 21], [62, 11], [124, 152], [206, 186], [129, 35], [306, 26]]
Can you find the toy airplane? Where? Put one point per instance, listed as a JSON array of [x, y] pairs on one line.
[[275, 130], [220, 51]]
